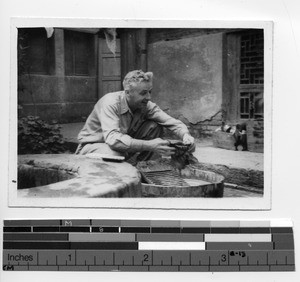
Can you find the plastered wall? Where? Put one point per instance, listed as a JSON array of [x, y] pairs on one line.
[[188, 76]]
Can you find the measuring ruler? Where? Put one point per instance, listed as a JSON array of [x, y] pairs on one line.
[[147, 245]]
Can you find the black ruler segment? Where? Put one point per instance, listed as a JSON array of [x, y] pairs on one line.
[[196, 230], [105, 229], [281, 230], [46, 229], [165, 230], [70, 245], [255, 230], [74, 229], [136, 229], [225, 230], [17, 229], [147, 245], [35, 245]]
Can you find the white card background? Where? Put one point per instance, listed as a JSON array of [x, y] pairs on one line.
[[285, 141]]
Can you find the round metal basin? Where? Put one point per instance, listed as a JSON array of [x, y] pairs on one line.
[[189, 182]]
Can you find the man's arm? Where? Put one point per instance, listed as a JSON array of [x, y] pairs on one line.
[[110, 122], [175, 125], [156, 114], [108, 114]]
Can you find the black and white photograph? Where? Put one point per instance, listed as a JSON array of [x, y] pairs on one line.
[[146, 115]]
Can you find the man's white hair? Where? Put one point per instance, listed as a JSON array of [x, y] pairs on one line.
[[136, 76]]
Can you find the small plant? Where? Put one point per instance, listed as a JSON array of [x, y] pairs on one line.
[[36, 136]]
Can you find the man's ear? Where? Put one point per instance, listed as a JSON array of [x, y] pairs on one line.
[[149, 75]]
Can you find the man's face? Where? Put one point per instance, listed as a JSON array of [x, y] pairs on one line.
[[139, 95]]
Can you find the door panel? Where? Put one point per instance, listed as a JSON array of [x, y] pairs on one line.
[[109, 69]]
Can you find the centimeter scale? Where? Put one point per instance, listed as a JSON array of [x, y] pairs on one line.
[[147, 245]]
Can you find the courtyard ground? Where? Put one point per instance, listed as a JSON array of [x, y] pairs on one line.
[[238, 161]]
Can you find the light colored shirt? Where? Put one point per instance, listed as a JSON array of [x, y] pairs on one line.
[[111, 120]]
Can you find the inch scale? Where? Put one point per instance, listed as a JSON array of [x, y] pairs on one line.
[[147, 245]]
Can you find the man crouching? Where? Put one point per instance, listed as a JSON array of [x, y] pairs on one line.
[[126, 122]]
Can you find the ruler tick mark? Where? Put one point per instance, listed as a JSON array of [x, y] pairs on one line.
[[151, 258]]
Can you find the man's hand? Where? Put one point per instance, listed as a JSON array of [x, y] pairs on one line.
[[161, 147], [189, 140]]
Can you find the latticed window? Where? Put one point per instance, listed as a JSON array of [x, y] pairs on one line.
[[252, 75], [251, 105]]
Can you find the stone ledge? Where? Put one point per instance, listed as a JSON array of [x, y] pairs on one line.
[[91, 178], [238, 176]]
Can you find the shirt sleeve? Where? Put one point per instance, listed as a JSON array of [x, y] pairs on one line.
[[162, 118], [108, 114]]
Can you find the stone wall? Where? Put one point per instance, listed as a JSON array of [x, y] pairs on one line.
[[206, 127], [65, 99], [188, 80], [61, 94]]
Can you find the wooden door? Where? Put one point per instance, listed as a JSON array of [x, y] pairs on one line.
[[109, 69]]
